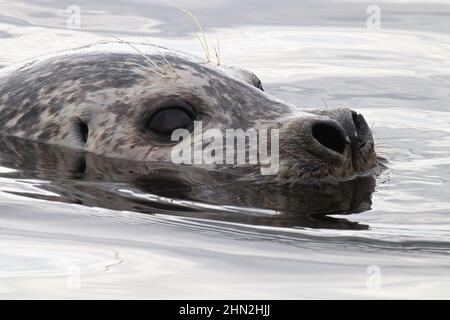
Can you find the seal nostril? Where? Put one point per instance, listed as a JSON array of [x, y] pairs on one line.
[[356, 121], [329, 136]]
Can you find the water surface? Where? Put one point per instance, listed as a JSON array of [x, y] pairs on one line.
[[84, 227]]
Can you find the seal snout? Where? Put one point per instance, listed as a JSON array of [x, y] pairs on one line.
[[333, 142]]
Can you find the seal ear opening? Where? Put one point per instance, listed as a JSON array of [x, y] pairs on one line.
[[83, 131]]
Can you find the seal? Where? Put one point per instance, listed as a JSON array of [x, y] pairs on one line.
[[123, 100]]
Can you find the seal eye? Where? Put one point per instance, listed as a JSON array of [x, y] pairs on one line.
[[169, 117]]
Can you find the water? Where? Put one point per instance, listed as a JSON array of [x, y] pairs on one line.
[[74, 227]]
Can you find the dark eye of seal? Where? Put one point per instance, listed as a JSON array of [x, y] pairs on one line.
[[168, 117]]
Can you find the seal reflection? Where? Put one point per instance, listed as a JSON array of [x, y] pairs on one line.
[[96, 181]]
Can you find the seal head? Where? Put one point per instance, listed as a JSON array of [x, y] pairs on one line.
[[111, 100]]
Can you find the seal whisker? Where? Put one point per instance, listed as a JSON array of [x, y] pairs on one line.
[[204, 43], [148, 152], [161, 54], [217, 52], [204, 49], [324, 102], [160, 72]]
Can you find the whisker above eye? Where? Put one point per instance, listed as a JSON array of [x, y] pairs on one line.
[[204, 43], [161, 54], [160, 71]]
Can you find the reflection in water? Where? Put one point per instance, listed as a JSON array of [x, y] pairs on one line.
[[96, 181]]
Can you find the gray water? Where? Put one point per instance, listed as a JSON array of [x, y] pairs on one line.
[[62, 237]]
